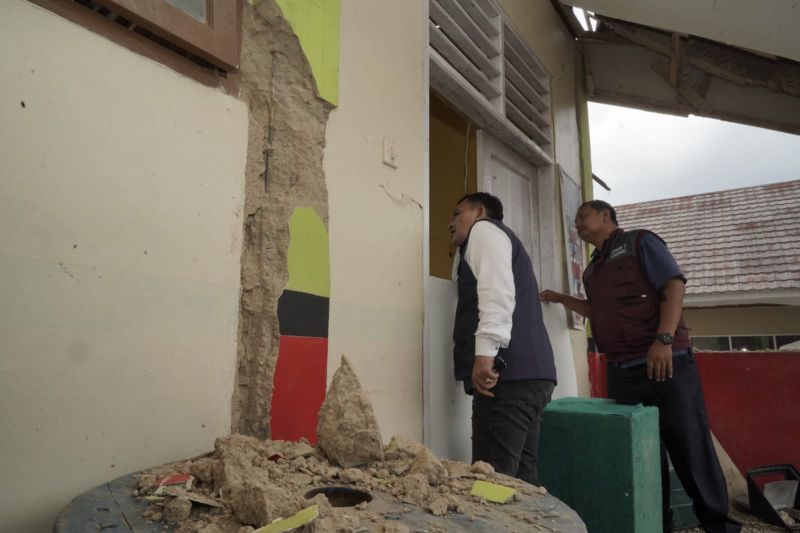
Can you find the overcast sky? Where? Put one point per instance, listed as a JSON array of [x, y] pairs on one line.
[[647, 156]]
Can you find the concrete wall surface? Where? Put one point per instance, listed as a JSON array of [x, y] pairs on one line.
[[120, 234], [375, 213]]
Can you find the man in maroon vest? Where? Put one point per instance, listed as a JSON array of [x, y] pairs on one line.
[[635, 297]]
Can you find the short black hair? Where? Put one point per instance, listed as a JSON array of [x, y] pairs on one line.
[[492, 204], [600, 206]]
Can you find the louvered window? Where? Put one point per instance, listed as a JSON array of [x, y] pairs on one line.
[[526, 90], [479, 63]]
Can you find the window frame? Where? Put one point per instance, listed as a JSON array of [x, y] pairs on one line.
[[212, 40], [228, 81]]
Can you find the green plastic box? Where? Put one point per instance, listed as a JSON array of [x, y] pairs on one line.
[[602, 459]]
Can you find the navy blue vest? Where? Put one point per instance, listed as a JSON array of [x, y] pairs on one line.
[[529, 354]]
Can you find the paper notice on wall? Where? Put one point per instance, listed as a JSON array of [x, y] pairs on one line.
[[570, 202]]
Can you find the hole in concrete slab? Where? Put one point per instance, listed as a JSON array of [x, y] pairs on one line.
[[341, 496]]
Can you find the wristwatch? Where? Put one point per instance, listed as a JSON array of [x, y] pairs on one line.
[[664, 338]]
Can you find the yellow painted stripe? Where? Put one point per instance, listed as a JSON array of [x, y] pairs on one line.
[[309, 265], [316, 24]]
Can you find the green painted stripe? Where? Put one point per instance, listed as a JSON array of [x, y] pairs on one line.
[[316, 24], [309, 266]]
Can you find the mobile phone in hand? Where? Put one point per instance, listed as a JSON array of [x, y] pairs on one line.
[[499, 364]]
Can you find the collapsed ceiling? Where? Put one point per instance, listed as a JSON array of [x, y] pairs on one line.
[[667, 57]]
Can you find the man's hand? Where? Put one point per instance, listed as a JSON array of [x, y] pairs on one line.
[[552, 296], [659, 361], [483, 375]]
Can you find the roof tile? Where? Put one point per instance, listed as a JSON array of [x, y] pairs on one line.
[[744, 239]]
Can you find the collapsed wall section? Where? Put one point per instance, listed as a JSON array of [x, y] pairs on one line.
[[284, 172]]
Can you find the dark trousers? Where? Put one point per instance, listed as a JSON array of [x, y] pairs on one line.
[[685, 435], [505, 429]]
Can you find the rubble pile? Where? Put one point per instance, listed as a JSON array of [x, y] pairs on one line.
[[246, 484]]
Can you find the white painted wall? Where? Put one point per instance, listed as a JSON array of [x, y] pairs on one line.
[[121, 191], [375, 223]]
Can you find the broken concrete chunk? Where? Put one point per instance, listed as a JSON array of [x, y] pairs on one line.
[[257, 503], [480, 467], [394, 527], [178, 509], [429, 465], [298, 479], [439, 506], [352, 475], [400, 469], [210, 528], [347, 431], [415, 488], [203, 469], [400, 448], [301, 449], [456, 470]]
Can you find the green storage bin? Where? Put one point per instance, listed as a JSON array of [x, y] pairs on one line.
[[602, 459]]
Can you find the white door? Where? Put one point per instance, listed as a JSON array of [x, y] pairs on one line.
[[447, 425], [516, 182], [506, 175]]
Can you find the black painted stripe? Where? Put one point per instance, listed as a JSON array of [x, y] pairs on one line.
[[303, 315]]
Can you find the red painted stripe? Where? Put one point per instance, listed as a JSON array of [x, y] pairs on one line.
[[299, 387], [752, 400], [597, 375]]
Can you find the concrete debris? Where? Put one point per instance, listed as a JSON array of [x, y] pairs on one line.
[[178, 509], [251, 490], [480, 467], [415, 488], [347, 430], [440, 506], [429, 465], [400, 448], [394, 527], [246, 483]]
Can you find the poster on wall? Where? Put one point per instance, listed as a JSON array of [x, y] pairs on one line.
[[574, 247]]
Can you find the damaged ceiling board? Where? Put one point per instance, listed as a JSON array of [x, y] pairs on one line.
[[639, 67], [769, 26]]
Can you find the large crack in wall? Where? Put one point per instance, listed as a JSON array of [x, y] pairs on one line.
[[284, 170]]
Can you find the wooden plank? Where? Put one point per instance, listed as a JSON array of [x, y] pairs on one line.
[[662, 68], [525, 70], [462, 40], [460, 63], [489, 25], [513, 75], [513, 40], [675, 60], [470, 27], [488, 7], [525, 106], [527, 126], [446, 81]]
